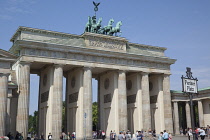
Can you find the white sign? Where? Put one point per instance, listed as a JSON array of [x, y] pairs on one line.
[[189, 85]]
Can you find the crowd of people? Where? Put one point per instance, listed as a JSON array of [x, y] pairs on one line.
[[138, 135], [201, 132]]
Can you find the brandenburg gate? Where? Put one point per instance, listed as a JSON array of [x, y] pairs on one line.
[[133, 83]]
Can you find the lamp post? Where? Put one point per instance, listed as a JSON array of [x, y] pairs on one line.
[[190, 87]]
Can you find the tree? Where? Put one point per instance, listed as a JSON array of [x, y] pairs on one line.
[[33, 122], [95, 115]]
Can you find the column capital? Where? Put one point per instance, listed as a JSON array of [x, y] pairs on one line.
[[4, 74], [25, 63], [166, 74], [122, 71], [58, 65], [88, 68], [200, 100], [144, 73]]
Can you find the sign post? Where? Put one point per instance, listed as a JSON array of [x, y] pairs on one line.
[[190, 87]]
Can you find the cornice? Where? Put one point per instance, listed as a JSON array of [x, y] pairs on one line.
[[97, 52], [88, 34], [41, 31], [147, 46]]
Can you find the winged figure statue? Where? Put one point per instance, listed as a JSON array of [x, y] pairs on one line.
[[96, 6]]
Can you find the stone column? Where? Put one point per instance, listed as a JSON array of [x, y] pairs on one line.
[[161, 104], [146, 101], [9, 98], [176, 118], [87, 101], [13, 113], [23, 98], [3, 102], [167, 103], [122, 101], [188, 117], [139, 102], [200, 112], [57, 101]]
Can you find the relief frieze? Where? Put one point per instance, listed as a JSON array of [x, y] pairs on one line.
[[106, 43], [97, 59]]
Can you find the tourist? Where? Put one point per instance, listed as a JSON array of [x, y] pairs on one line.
[[145, 134], [103, 135], [181, 132], [208, 131], [42, 136], [69, 135], [202, 133], [196, 133], [165, 135], [120, 136], [189, 133], [160, 137], [134, 137], [154, 133], [21, 136], [73, 135], [140, 136], [150, 134], [170, 136], [49, 136], [127, 136]]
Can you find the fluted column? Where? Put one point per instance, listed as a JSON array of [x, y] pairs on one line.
[[23, 98], [139, 102], [200, 112], [188, 117], [57, 101], [87, 104], [176, 118], [146, 101], [167, 103], [122, 101], [3, 102]]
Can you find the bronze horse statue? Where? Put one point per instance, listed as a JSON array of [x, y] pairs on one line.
[[88, 25], [107, 28], [115, 29], [97, 26]]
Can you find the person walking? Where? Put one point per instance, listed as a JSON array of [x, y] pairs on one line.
[[165, 135], [120, 136], [202, 133], [73, 135], [134, 137], [103, 135], [50, 136], [140, 136], [160, 137]]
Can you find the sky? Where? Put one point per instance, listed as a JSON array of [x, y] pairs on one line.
[[182, 26]]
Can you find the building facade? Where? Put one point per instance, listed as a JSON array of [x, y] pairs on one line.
[[133, 83], [181, 109]]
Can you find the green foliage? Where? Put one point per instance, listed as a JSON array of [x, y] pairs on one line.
[[33, 122], [95, 114]]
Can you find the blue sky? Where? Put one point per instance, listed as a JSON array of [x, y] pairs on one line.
[[182, 26]]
